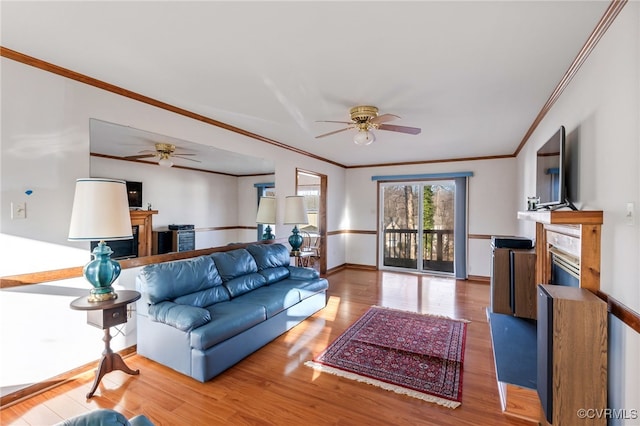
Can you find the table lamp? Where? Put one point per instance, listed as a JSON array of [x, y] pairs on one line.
[[267, 215], [100, 212], [295, 214]]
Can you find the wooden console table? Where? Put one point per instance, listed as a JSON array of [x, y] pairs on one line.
[[143, 220], [105, 315]]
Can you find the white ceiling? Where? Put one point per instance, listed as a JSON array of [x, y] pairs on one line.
[[472, 74]]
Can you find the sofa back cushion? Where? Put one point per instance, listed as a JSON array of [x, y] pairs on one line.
[[195, 281], [238, 271], [272, 260]]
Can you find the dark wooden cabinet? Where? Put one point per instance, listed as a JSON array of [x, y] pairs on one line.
[[523, 283], [500, 281], [513, 286]]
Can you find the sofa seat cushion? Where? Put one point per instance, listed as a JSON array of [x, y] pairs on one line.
[[273, 299], [182, 317], [168, 280], [306, 288], [227, 320]]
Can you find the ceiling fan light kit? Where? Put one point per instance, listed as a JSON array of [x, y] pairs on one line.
[[164, 152], [364, 137], [165, 162], [365, 118]]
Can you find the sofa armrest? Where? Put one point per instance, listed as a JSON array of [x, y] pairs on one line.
[[182, 317], [99, 417], [140, 420], [298, 273]]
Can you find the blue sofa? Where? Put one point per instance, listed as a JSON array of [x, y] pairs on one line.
[[202, 315]]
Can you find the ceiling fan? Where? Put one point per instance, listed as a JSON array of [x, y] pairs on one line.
[[365, 118], [164, 152]]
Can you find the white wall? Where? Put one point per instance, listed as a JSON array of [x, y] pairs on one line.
[[180, 196], [492, 204], [205, 200], [45, 148], [601, 112]]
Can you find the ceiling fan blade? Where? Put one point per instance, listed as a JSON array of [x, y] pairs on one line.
[[334, 132], [137, 157], [179, 153], [184, 158], [384, 118], [332, 121], [401, 129]]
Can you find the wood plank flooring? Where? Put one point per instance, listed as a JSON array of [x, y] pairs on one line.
[[273, 387]]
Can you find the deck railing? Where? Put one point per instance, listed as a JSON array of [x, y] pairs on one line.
[[401, 248]]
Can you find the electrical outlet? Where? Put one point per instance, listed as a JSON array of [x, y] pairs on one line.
[[19, 210], [630, 217]]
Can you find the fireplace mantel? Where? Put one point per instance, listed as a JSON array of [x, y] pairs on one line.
[[576, 233], [143, 219]]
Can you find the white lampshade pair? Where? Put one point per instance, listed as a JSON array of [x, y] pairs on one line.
[[294, 211]]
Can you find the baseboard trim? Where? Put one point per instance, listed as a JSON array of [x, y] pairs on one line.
[[479, 278], [351, 266]]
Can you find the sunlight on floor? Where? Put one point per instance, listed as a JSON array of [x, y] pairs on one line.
[[430, 294], [309, 332]]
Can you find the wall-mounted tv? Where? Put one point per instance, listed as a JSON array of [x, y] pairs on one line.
[[551, 185], [134, 194]]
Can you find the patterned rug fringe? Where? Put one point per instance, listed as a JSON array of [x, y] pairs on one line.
[[384, 385], [420, 313]]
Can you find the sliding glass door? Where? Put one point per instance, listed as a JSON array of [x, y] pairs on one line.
[[417, 224]]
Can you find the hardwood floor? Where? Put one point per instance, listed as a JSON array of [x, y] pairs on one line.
[[273, 387]]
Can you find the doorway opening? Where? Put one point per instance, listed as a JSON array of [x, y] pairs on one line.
[[313, 186]]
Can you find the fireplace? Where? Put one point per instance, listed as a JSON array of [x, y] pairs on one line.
[[565, 269], [123, 249]]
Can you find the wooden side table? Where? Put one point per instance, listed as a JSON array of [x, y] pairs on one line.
[[105, 315], [302, 258]]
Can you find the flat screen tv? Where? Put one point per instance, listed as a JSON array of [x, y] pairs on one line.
[[134, 194], [551, 185]]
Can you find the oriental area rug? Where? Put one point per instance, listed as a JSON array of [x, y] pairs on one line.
[[414, 354]]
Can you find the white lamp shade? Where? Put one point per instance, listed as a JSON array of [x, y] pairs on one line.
[[100, 211], [294, 211], [267, 211]]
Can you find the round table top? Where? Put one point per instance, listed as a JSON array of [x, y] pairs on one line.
[[124, 298]]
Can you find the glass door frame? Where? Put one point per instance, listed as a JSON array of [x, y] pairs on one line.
[[419, 268]]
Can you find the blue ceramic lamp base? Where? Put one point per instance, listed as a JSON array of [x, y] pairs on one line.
[[268, 235], [295, 241], [101, 272]]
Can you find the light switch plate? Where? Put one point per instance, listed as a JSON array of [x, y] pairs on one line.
[[630, 216], [19, 210]]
